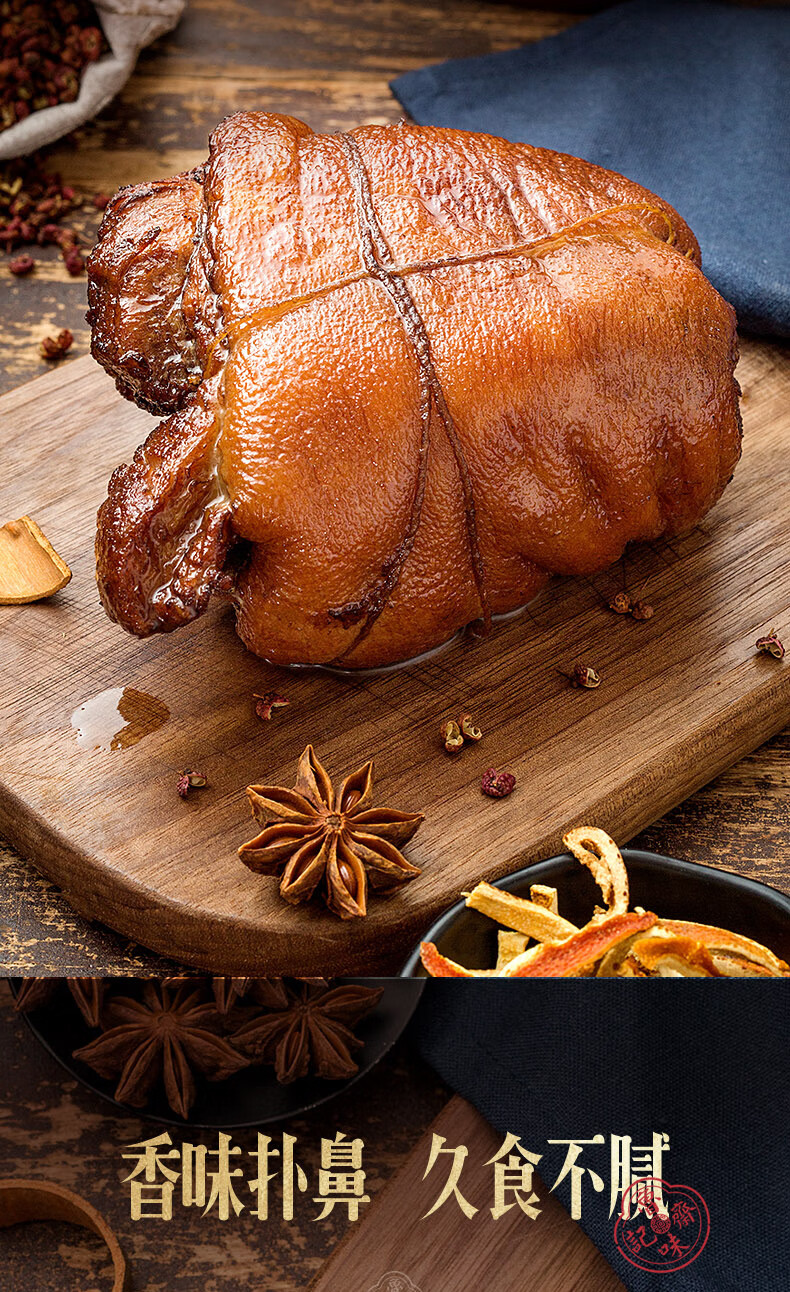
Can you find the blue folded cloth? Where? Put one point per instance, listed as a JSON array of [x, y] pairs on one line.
[[706, 1062], [690, 99]]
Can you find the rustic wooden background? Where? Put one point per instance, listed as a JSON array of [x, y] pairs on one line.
[[328, 61], [52, 1128]]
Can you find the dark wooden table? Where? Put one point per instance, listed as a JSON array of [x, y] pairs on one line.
[[328, 61]]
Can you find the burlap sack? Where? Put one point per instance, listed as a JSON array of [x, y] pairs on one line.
[[129, 26]]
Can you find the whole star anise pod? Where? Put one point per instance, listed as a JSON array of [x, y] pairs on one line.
[[307, 1029], [170, 1034], [88, 994], [315, 838]]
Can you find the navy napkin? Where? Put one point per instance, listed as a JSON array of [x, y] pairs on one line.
[[706, 1062], [690, 99]]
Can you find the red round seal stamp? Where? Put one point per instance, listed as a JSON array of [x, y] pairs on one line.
[[661, 1227]]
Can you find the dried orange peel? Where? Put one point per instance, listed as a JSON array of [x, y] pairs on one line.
[[509, 945], [439, 966], [578, 956], [543, 896], [615, 943], [602, 857], [519, 914], [30, 568], [667, 956], [722, 942]]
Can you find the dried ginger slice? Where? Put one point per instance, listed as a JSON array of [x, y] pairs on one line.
[[519, 913], [722, 940], [599, 853], [579, 954], [30, 568]]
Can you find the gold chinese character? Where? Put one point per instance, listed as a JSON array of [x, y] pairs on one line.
[[577, 1172], [293, 1177], [196, 1177], [450, 1189], [628, 1164], [336, 1185], [514, 1176], [152, 1199]]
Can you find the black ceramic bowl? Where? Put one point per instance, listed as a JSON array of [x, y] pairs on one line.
[[676, 890], [253, 1096]]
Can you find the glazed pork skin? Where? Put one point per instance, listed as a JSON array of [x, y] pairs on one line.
[[412, 373]]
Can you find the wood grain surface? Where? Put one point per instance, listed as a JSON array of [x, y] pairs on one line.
[[447, 1250], [329, 61], [53, 1128], [682, 696]]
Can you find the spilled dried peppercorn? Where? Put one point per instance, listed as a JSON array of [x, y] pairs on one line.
[[497, 785], [451, 737], [22, 265], [33, 205], [584, 676], [771, 645], [54, 347], [267, 703], [190, 780], [621, 604]]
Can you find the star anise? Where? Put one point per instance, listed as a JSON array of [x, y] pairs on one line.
[[228, 992], [316, 838], [88, 995], [309, 1030], [169, 1034]]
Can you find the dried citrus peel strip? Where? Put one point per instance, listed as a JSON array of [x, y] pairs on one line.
[[579, 953], [618, 963], [30, 568], [667, 954], [600, 854], [520, 914], [721, 940], [542, 895], [439, 966], [734, 966], [509, 945]]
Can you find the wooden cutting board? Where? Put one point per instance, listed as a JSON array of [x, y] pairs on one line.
[[447, 1252], [683, 696]]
